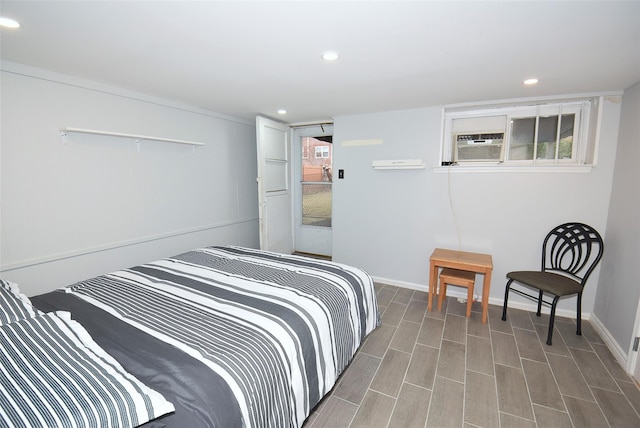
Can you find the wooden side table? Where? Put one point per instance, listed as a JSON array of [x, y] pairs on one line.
[[473, 262]]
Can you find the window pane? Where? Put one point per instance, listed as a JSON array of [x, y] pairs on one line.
[[317, 176], [522, 133], [547, 135], [567, 123], [316, 204]]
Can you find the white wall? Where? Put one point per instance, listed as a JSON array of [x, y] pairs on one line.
[[619, 290], [389, 222], [95, 204]]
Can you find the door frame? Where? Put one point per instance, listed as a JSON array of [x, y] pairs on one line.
[[633, 357], [306, 238]]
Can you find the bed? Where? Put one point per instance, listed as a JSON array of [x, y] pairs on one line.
[[227, 336]]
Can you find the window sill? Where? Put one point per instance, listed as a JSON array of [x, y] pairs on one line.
[[513, 168]]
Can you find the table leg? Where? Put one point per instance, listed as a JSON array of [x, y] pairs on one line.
[[486, 286], [433, 283]]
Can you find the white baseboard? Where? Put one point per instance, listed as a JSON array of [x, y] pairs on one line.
[[403, 284], [611, 343]]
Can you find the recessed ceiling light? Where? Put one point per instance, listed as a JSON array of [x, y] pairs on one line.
[[8, 22], [530, 81], [282, 111], [330, 56]]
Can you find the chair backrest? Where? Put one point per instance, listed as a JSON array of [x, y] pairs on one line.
[[573, 249]]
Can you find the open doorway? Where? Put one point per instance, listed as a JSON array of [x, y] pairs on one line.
[[313, 181]]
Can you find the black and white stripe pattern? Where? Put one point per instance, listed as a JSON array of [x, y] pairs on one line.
[[14, 305], [279, 329], [52, 374]]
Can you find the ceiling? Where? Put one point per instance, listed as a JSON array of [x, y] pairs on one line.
[[243, 58]]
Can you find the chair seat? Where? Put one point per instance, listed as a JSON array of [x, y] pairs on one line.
[[548, 282]]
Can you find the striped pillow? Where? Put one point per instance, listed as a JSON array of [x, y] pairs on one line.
[[14, 305], [53, 374]]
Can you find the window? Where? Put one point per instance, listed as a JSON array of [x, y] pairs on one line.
[[322, 152], [523, 135]]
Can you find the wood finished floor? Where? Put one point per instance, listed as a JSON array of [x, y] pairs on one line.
[[440, 369]]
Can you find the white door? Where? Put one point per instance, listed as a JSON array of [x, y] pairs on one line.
[[312, 178], [274, 209]]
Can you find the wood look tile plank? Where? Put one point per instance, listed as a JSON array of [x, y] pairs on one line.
[[423, 366], [405, 337], [567, 330], [403, 296], [505, 351], [542, 385], [475, 327], [378, 341], [451, 363], [558, 347], [355, 381], [411, 407], [391, 372], [551, 418], [569, 377], [511, 421], [610, 362], [454, 307], [374, 412], [455, 328], [632, 392], [481, 401], [495, 320], [394, 313], [616, 408], [434, 312], [446, 404], [385, 296], [431, 332], [336, 413], [513, 397], [590, 333], [479, 355], [421, 296], [415, 311], [585, 413], [593, 370], [519, 319], [529, 346]]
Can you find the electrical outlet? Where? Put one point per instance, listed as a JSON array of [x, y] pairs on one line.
[[341, 174]]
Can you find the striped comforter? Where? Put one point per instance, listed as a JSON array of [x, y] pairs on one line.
[[278, 329]]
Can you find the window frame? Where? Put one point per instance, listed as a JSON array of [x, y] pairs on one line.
[[583, 146], [323, 150]]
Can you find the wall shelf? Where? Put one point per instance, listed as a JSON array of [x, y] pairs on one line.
[[138, 138], [398, 164]]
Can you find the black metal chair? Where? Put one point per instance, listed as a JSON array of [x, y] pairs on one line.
[[570, 252]]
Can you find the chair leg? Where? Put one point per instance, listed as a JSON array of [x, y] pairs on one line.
[[552, 318], [539, 303], [579, 315], [506, 298]]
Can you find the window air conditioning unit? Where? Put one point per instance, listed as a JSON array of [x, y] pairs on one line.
[[478, 147]]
